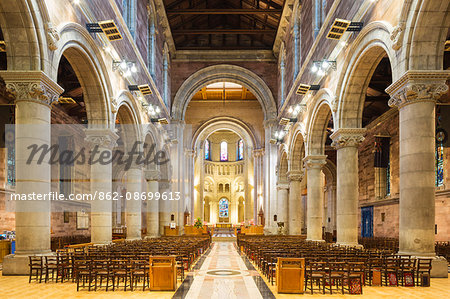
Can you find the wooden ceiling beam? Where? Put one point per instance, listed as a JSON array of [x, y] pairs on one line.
[[222, 31], [238, 11]]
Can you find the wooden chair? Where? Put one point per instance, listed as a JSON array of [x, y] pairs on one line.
[[102, 272], [391, 270], [84, 275], [140, 271], [316, 274], [423, 267], [36, 268], [407, 267], [51, 266], [121, 272]]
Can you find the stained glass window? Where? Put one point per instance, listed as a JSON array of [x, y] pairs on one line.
[[439, 164], [207, 150], [223, 151], [241, 149], [223, 208]]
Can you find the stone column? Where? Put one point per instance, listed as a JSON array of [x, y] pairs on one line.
[[346, 142], [102, 140], [415, 94], [134, 203], [331, 211], [152, 177], [282, 200], [258, 183], [165, 207], [313, 165], [270, 162], [33, 93], [295, 202]]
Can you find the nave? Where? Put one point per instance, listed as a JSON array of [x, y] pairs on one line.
[[221, 272]]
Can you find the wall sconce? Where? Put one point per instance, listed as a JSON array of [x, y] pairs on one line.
[[321, 67], [295, 110], [125, 67]]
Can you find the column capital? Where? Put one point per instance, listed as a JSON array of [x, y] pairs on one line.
[[152, 175], [347, 137], [258, 152], [418, 86], [102, 137], [295, 175], [33, 86], [315, 161], [281, 186]]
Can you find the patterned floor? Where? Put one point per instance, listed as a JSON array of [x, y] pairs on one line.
[[224, 235], [224, 274], [221, 273]]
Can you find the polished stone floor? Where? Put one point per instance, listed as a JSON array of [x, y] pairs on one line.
[[221, 273]]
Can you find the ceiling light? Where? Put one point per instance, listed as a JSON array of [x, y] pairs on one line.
[[290, 110], [127, 73], [325, 64], [107, 49], [123, 65], [76, 2], [314, 68], [320, 72], [133, 68], [158, 110]]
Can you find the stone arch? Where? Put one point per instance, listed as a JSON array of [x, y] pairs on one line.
[[297, 152], [423, 28], [23, 36], [128, 114], [318, 122], [371, 45], [283, 168], [80, 50], [218, 73], [220, 123]]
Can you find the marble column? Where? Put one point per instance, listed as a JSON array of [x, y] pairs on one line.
[[415, 94], [152, 177], [295, 202], [33, 93], [346, 142], [282, 200], [313, 165], [103, 140]]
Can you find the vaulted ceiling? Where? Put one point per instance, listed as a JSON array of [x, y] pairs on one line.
[[224, 24]]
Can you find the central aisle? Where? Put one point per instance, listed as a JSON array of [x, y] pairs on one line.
[[223, 274]]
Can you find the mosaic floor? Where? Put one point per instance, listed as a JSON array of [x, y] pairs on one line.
[[221, 273]]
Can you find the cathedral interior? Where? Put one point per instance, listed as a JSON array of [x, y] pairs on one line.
[[224, 149]]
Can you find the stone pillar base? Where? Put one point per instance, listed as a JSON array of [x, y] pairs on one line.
[[14, 264], [310, 240], [151, 236], [439, 267]]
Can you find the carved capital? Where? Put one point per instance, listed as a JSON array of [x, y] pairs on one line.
[[350, 137], [104, 138], [152, 175], [315, 162], [418, 86], [282, 186], [33, 86], [295, 175]]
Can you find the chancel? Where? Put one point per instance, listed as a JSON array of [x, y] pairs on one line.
[[224, 149]]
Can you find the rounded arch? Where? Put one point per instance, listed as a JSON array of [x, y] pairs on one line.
[[219, 73], [23, 34], [283, 168], [80, 50], [426, 23], [318, 122], [372, 44], [129, 120], [329, 170], [221, 123], [297, 151]]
